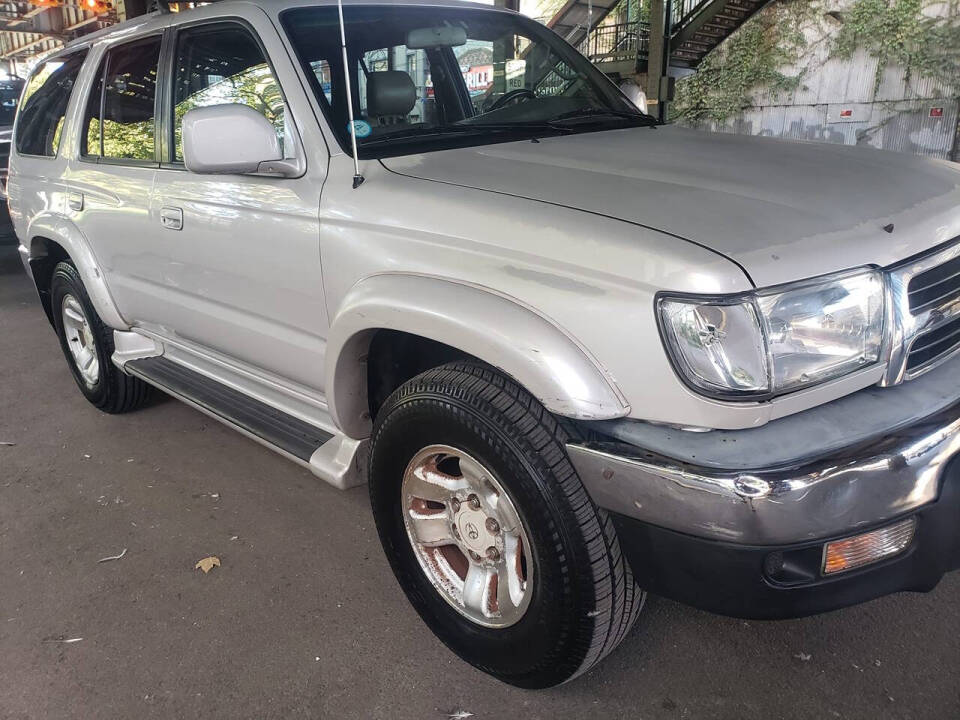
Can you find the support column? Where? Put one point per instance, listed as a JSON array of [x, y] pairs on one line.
[[955, 153], [502, 53], [658, 56]]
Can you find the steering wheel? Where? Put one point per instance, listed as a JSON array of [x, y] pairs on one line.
[[511, 96]]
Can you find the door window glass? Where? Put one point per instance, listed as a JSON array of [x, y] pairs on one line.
[[219, 65], [45, 105], [119, 121]]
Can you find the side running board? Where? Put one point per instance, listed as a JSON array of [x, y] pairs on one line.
[[284, 432]]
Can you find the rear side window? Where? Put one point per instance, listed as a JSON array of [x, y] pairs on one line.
[[45, 105], [120, 122], [221, 64]]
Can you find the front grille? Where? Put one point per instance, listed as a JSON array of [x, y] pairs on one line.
[[935, 287], [933, 345]]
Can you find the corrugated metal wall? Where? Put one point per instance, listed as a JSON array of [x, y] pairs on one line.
[[839, 101]]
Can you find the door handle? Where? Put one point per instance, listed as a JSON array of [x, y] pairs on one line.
[[171, 218], [75, 200]]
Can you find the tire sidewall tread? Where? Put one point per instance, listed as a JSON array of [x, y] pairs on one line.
[[524, 445], [115, 391]]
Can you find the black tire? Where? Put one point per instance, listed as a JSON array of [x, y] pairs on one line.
[[114, 391], [584, 597]]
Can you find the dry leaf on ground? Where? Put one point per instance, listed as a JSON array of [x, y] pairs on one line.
[[207, 564], [113, 557]]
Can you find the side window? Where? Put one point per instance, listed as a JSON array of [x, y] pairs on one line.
[[119, 122], [45, 105], [219, 65]]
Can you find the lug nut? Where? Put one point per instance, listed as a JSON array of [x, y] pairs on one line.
[[474, 502], [455, 505], [493, 526], [493, 554], [474, 556]]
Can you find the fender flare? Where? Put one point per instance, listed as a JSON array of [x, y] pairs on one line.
[[498, 330], [63, 232]]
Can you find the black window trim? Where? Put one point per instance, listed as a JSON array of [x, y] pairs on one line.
[[102, 69], [168, 71], [73, 93]]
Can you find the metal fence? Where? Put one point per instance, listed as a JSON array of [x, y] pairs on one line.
[[684, 10], [619, 39]]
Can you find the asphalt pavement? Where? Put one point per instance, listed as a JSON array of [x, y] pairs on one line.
[[303, 618]]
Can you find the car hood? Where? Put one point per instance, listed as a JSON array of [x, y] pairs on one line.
[[782, 210]]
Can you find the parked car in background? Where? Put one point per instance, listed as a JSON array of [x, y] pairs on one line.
[[10, 91], [575, 355]]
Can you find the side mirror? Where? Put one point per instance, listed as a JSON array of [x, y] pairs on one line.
[[229, 139]]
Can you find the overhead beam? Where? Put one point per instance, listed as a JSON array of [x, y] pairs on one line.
[[81, 23], [41, 35], [19, 49], [31, 13]]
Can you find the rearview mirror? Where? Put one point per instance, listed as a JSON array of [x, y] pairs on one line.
[[229, 139], [436, 37]]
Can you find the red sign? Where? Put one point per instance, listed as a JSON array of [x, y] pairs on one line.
[[846, 113], [936, 112]]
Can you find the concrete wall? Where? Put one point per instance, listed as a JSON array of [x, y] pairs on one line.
[[839, 101]]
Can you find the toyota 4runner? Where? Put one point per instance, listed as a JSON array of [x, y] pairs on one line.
[[572, 353]]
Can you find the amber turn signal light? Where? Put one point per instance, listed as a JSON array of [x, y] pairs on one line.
[[860, 550]]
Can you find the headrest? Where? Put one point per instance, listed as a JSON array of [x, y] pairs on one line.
[[390, 92]]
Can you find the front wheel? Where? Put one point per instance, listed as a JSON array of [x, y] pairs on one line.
[[87, 345], [490, 532]]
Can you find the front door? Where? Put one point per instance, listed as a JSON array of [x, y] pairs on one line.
[[240, 253]]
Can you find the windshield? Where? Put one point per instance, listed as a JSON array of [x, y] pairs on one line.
[[428, 78]]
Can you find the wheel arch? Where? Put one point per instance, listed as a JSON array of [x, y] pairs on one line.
[[54, 239], [459, 320]]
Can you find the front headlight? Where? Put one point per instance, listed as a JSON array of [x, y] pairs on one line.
[[777, 340]]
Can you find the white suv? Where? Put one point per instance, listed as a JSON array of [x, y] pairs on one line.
[[571, 352]]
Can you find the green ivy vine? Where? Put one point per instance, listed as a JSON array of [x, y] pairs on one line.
[[896, 32], [751, 58]]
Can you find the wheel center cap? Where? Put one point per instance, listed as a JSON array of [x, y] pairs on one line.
[[472, 525]]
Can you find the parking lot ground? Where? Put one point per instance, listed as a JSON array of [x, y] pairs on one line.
[[304, 620]]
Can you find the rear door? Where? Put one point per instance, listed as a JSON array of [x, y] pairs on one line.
[[111, 181], [239, 254]]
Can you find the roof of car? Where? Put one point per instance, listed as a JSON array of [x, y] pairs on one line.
[[158, 20]]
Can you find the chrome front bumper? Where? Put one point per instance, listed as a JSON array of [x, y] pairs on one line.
[[858, 486]]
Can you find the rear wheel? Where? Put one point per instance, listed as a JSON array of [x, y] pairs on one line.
[[490, 531], [88, 346]]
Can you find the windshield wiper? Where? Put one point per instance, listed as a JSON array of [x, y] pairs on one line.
[[594, 112], [474, 128], [413, 133]]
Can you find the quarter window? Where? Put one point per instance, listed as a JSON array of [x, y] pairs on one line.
[[119, 121], [219, 65], [45, 105]]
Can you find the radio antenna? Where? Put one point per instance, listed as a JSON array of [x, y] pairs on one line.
[[357, 177]]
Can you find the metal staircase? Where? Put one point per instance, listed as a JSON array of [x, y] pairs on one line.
[[578, 17], [621, 49], [704, 24]]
